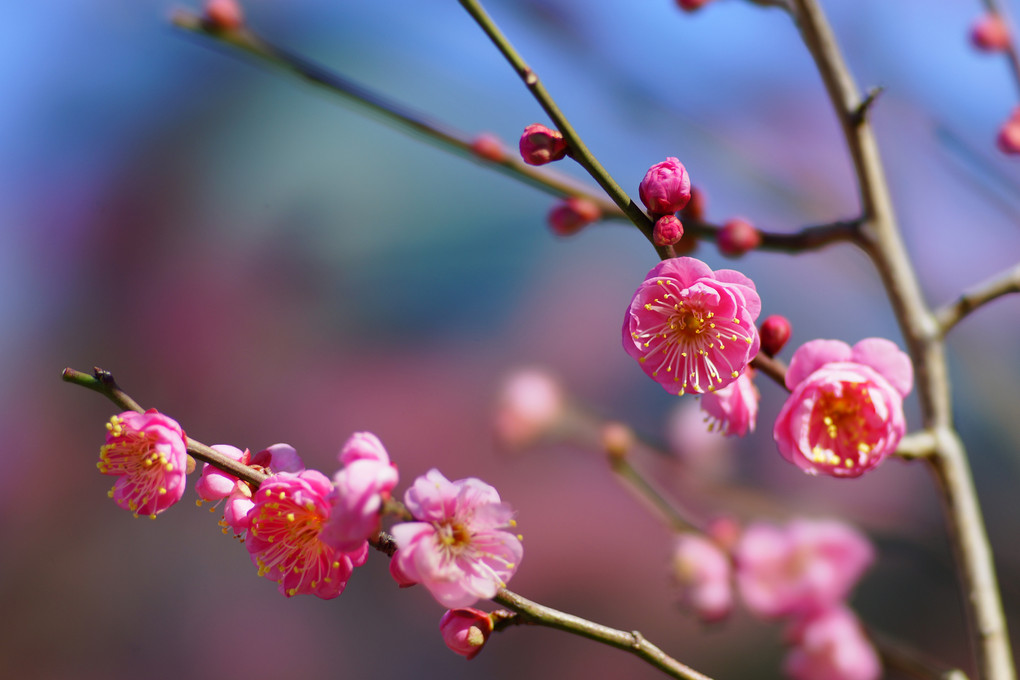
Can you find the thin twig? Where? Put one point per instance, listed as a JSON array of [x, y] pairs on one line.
[[633, 642], [1011, 53], [951, 314], [102, 381]]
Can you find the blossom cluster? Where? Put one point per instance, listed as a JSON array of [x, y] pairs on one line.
[[801, 573], [307, 532]]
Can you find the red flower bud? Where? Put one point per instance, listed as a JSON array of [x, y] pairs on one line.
[[540, 145], [737, 237], [774, 332]]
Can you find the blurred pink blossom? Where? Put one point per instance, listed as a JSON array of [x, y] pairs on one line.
[[703, 572], [666, 187], [465, 630], [830, 645], [148, 454], [283, 536], [1008, 140], [845, 412], [458, 548], [805, 567], [733, 409], [488, 146], [692, 329], [990, 34], [691, 5], [572, 214], [737, 237], [224, 15], [529, 403], [359, 490]]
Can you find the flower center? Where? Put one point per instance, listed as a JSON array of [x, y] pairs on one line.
[[841, 433], [453, 536]]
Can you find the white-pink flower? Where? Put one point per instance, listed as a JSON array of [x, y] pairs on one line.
[[703, 571], [459, 548], [690, 328], [216, 485], [148, 454], [360, 489], [733, 409], [845, 411], [805, 567], [830, 645], [530, 402]]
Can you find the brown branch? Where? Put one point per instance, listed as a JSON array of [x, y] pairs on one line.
[[951, 314]]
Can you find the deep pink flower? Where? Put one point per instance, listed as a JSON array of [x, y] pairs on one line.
[[845, 411], [216, 485], [283, 536], [990, 34], [148, 454], [733, 409], [690, 328], [458, 548], [571, 215], [540, 145], [465, 630], [359, 490], [805, 567], [702, 570], [668, 231], [666, 187], [830, 645]]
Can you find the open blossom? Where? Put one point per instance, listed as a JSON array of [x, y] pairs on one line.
[[733, 409], [702, 570], [283, 536], [148, 454], [692, 329], [465, 630], [805, 567], [830, 645], [845, 411], [216, 485], [359, 490], [458, 548]]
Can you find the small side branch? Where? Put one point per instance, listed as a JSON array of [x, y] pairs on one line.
[[536, 614], [954, 312]]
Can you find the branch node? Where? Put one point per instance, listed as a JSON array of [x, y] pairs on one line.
[[860, 114]]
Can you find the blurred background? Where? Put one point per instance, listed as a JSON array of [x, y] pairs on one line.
[[263, 263]]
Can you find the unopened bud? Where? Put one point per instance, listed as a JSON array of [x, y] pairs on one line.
[[1008, 140], [737, 237], [223, 15], [489, 147], [691, 5], [465, 631], [668, 231], [617, 440], [990, 34], [540, 145], [774, 333], [666, 187], [571, 215]]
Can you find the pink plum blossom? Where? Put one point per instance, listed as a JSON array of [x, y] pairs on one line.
[[148, 454], [805, 567], [668, 231], [465, 630], [733, 409], [830, 645], [216, 485], [458, 548], [692, 329], [703, 571], [845, 411], [283, 536], [360, 489], [666, 187]]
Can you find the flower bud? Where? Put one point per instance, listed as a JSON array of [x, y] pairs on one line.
[[695, 208], [540, 145], [666, 187], [1008, 140], [774, 332], [466, 630], [691, 5], [223, 15], [668, 231], [737, 237], [489, 147], [569, 216], [990, 34]]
